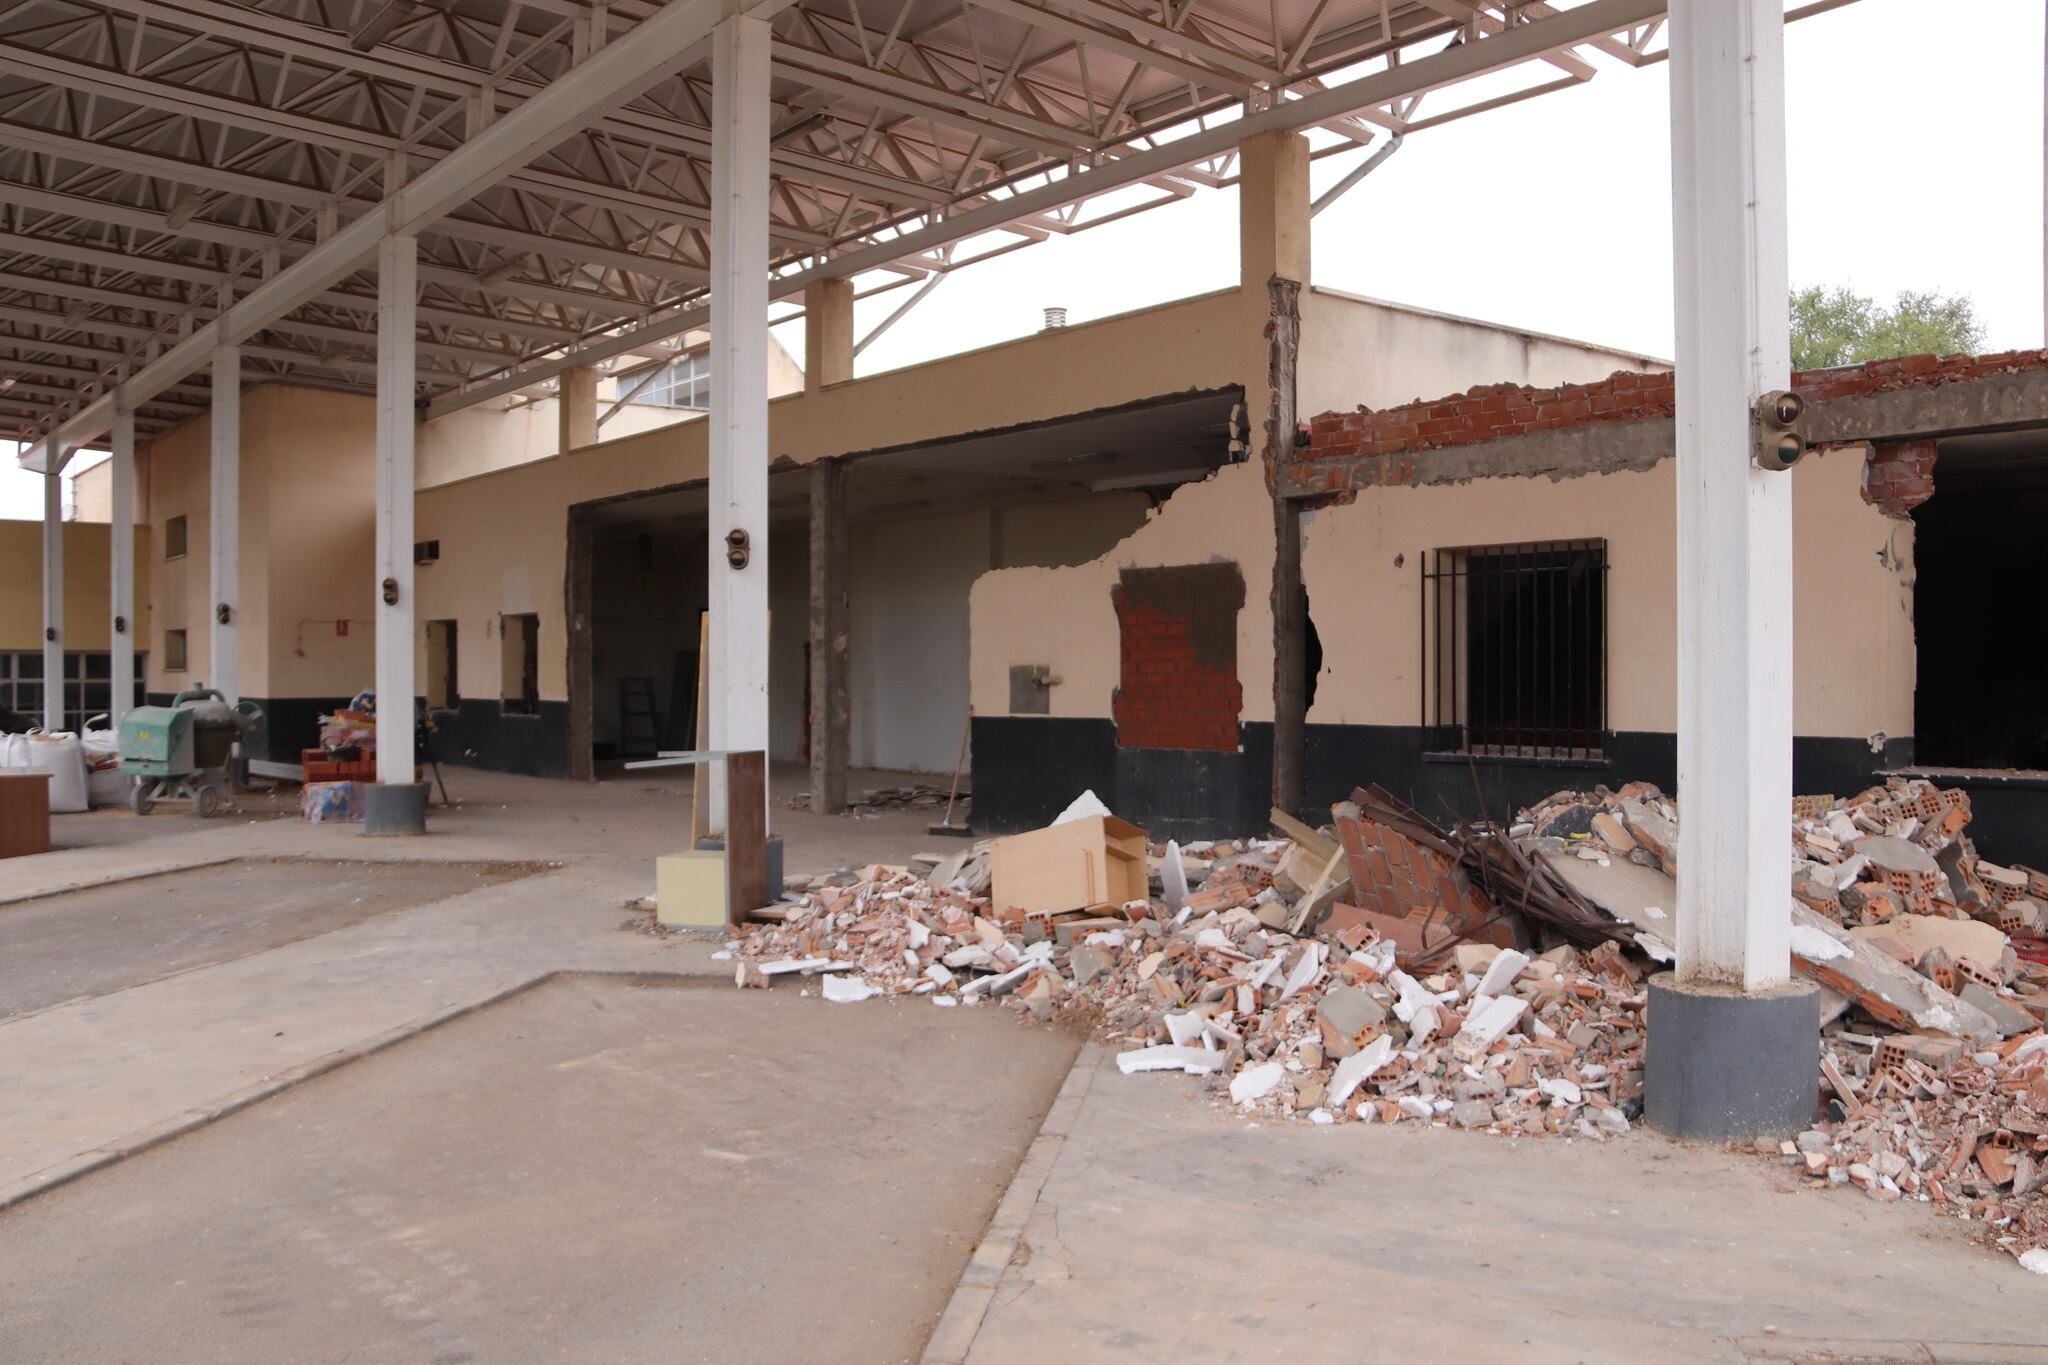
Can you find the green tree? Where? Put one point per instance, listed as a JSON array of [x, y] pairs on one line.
[[1841, 327]]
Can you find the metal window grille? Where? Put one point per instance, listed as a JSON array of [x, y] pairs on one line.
[[1514, 649]]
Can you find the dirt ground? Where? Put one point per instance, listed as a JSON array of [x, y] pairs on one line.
[[596, 1170]]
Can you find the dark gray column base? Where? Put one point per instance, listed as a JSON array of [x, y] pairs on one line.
[[1720, 1064], [396, 808]]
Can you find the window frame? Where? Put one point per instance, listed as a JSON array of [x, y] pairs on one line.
[[689, 375], [525, 704], [183, 523], [451, 700], [1473, 704], [178, 659]]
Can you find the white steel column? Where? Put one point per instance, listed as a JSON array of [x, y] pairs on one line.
[[1734, 519], [224, 518], [397, 313], [121, 557], [53, 599], [739, 383]]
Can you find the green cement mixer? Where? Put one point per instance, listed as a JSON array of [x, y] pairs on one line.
[[186, 749]]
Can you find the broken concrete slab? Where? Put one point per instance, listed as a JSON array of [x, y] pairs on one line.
[[1643, 897], [1982, 943], [1886, 988]]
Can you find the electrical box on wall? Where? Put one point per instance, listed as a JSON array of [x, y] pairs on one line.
[[1031, 689]]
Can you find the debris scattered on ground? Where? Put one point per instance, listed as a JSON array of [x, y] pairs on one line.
[[1382, 969], [916, 796]]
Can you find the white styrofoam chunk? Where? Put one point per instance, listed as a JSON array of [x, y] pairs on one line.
[[1256, 1082], [1166, 1057], [1501, 972], [848, 990]]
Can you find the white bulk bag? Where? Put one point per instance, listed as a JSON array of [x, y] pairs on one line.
[[105, 783], [57, 753]]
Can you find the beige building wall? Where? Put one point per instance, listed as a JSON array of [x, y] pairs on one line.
[[1358, 351], [911, 581], [504, 535], [1063, 617], [1852, 591], [502, 434], [307, 544], [88, 571]]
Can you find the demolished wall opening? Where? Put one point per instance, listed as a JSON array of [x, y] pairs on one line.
[[1979, 627], [1177, 685]]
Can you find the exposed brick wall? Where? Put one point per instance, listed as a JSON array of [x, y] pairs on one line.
[[1177, 686], [1392, 875], [1364, 447], [1899, 477]]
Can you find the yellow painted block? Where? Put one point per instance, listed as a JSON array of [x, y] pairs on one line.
[[689, 889]]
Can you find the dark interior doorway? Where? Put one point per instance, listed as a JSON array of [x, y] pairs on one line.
[[1980, 624], [647, 599]]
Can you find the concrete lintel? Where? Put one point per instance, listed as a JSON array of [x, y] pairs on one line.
[[2001, 402], [2005, 402]]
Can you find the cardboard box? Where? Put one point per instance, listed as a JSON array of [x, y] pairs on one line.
[[689, 889], [1088, 864]]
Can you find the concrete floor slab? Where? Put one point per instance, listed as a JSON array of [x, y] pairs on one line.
[[1168, 1229], [594, 1170], [109, 938], [88, 1081]]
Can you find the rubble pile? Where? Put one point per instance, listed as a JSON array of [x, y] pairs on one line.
[[1322, 1023], [1932, 1047], [1381, 969]]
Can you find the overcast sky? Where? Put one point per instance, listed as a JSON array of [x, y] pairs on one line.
[[1915, 143]]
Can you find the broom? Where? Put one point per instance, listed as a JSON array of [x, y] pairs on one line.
[[947, 827]]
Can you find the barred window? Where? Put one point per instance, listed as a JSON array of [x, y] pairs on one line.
[[1514, 650]]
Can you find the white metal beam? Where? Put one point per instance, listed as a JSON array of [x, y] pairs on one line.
[[121, 565], [397, 298], [224, 523], [53, 601], [610, 78], [1734, 518], [1463, 62], [738, 597]]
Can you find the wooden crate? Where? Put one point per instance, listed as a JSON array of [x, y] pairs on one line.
[[24, 814]]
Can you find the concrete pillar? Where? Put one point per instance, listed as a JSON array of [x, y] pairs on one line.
[[397, 345], [576, 407], [1732, 1039], [1274, 207], [224, 518], [121, 565], [53, 593], [739, 385], [831, 701], [828, 333]]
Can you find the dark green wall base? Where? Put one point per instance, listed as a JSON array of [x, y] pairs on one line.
[[1027, 768], [478, 734]]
